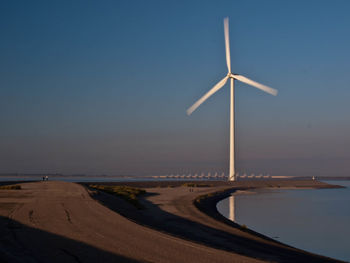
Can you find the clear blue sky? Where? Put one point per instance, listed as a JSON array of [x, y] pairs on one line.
[[101, 87]]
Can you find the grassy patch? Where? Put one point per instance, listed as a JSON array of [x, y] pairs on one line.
[[126, 192], [196, 185], [10, 187]]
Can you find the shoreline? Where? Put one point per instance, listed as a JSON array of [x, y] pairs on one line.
[[204, 217], [208, 205]]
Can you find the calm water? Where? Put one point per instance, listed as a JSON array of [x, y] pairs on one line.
[[68, 178], [316, 220], [98, 178]]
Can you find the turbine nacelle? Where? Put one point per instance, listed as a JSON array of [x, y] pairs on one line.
[[231, 75]]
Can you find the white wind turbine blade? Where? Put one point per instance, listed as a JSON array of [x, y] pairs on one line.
[[256, 84], [227, 44], [218, 86]]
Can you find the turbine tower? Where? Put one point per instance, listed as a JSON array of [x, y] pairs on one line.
[[218, 86]]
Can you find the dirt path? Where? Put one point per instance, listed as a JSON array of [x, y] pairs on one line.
[[60, 222]]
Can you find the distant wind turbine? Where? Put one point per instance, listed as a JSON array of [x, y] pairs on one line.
[[218, 86]]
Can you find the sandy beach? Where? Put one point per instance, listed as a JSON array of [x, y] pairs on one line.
[[67, 222]]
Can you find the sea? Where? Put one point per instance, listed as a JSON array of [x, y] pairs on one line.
[[316, 220], [76, 178]]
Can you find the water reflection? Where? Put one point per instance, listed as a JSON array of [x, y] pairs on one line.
[[232, 208]]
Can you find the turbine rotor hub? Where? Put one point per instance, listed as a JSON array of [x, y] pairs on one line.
[[231, 75]]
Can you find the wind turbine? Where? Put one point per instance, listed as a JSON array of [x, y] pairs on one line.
[[218, 86]]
